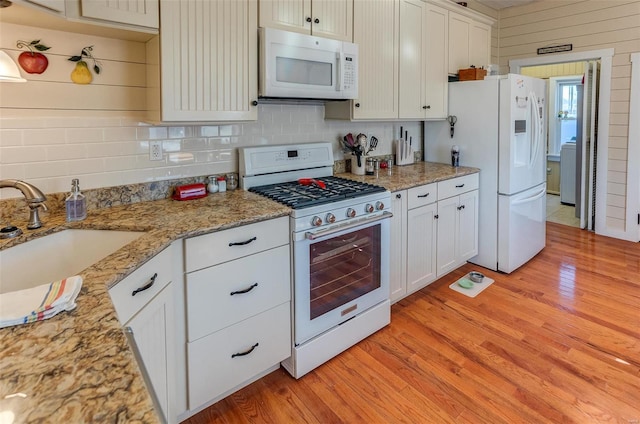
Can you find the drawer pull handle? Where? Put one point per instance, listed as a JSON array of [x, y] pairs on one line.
[[243, 243], [245, 352], [460, 186], [247, 290], [423, 195], [460, 207], [146, 286]]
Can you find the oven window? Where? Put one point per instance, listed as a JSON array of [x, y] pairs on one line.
[[344, 268]]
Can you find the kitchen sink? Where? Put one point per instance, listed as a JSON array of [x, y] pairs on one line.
[[57, 256]]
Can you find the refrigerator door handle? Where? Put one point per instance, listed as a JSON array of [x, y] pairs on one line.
[[536, 138], [531, 198]]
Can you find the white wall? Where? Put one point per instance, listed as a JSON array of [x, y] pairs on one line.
[[52, 130]]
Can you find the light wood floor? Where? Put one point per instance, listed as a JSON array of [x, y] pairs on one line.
[[557, 341]]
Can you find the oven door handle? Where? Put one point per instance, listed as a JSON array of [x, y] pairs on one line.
[[329, 231]]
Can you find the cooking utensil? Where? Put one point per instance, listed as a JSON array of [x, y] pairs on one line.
[[312, 181], [349, 139], [372, 144]]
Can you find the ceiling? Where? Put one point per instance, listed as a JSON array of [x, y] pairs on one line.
[[501, 4]]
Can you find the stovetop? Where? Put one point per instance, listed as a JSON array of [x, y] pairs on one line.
[[298, 196]]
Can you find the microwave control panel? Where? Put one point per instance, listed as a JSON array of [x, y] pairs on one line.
[[350, 76]]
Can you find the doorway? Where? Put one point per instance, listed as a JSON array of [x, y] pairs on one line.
[[571, 153]]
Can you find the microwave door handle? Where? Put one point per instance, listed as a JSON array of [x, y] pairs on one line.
[[339, 70]]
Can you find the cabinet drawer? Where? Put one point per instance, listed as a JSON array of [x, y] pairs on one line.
[[423, 195], [212, 293], [213, 370], [215, 248], [128, 304], [456, 186]]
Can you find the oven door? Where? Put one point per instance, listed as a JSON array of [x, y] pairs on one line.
[[338, 274]]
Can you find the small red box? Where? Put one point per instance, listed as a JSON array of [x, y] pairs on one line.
[[189, 191]]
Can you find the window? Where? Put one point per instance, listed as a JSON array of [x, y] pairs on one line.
[[563, 111]]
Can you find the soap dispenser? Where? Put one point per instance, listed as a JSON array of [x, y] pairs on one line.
[[76, 203]]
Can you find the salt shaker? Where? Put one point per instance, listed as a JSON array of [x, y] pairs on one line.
[[222, 184], [212, 187]]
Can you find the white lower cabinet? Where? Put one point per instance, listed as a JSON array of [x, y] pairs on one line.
[[457, 222], [434, 231], [224, 360], [238, 308], [144, 302], [397, 259], [421, 251]]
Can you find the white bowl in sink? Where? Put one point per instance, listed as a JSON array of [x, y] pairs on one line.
[[57, 256]]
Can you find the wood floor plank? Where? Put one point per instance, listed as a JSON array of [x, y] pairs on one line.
[[556, 341]]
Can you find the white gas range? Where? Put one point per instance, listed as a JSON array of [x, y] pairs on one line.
[[340, 248]]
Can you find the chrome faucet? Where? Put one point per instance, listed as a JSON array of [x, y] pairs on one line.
[[34, 197]]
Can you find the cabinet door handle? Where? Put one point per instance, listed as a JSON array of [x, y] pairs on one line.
[[357, 105], [146, 286], [316, 21], [423, 195], [436, 216], [245, 352], [460, 207], [243, 243], [308, 19], [247, 290], [460, 186], [426, 107], [254, 103], [398, 196]]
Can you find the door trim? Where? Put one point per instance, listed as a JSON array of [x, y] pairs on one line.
[[633, 151]]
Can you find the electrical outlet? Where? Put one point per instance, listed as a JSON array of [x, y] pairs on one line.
[[155, 150]]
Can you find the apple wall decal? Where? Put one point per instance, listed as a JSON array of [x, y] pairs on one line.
[[33, 62]]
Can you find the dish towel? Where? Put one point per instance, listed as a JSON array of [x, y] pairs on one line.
[[39, 303]]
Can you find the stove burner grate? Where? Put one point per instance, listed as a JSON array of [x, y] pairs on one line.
[[298, 196]]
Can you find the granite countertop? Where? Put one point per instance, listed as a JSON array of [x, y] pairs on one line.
[[77, 366], [407, 176]]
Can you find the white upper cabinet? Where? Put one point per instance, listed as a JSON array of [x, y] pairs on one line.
[[106, 17], [423, 60], [412, 59], [134, 12], [323, 18], [436, 69], [376, 33], [208, 61], [469, 43]]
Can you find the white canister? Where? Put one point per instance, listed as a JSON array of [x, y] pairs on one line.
[[355, 169]]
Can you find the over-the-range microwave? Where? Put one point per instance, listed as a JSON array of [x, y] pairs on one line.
[[300, 66]]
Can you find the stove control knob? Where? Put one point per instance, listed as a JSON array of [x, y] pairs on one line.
[[330, 218], [369, 208], [316, 221], [351, 213], [379, 206]]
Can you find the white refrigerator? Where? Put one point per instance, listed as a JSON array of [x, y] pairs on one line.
[[500, 128]]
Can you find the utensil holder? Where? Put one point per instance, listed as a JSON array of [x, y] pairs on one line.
[[355, 169]]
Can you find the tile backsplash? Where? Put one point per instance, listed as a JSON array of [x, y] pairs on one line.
[[106, 151]]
